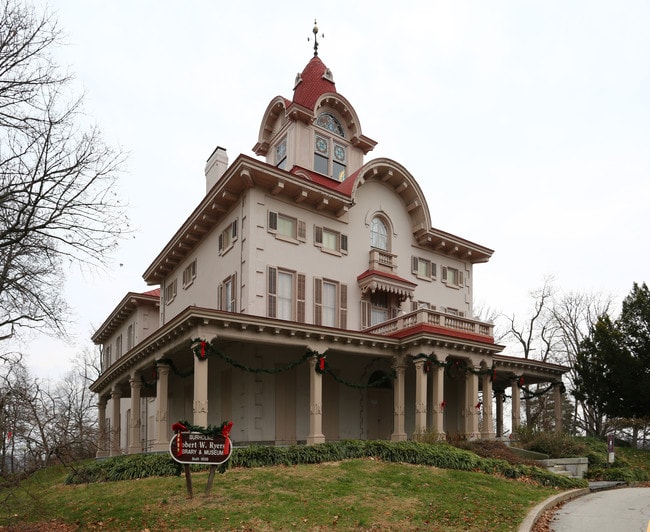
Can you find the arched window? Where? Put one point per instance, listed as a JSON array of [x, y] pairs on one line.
[[331, 123], [378, 234]]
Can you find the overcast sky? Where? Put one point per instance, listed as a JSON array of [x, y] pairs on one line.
[[527, 124]]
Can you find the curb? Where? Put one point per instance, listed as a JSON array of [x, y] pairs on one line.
[[538, 510]]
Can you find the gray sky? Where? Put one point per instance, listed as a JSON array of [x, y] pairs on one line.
[[527, 124]]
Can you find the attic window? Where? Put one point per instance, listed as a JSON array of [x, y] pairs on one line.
[[328, 75], [331, 123]]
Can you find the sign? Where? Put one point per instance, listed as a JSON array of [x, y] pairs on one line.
[[198, 448], [610, 449]]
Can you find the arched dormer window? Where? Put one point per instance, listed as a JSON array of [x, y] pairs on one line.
[[379, 234], [331, 123]]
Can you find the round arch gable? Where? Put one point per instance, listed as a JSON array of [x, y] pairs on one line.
[[274, 112], [403, 183], [343, 110]]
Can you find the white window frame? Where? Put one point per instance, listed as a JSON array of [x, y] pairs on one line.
[[171, 291], [423, 268], [189, 274], [340, 241], [339, 310], [447, 272], [228, 237], [298, 234]]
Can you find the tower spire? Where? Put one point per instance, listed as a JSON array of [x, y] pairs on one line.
[[315, 30]]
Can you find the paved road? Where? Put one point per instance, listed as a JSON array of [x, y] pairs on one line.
[[620, 510]]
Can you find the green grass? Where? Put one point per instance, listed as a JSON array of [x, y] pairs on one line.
[[344, 495]]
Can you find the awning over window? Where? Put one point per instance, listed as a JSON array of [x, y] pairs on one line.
[[374, 280]]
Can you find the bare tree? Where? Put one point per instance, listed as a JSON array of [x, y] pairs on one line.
[[573, 315], [58, 204]]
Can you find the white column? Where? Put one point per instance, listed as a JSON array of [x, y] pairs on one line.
[[116, 429], [163, 428], [399, 365], [488, 432], [471, 400], [315, 404], [438, 385], [135, 445], [557, 392], [420, 397], [102, 443], [516, 404], [200, 404], [499, 404]]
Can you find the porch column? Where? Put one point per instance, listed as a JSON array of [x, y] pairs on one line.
[[471, 400], [516, 405], [499, 403], [315, 404], [102, 447], [420, 397], [438, 385], [200, 404], [161, 442], [135, 445], [399, 366], [488, 432], [557, 392], [116, 429]]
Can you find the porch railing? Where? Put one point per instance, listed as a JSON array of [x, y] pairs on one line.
[[432, 317]]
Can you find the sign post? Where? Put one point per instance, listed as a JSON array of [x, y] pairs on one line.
[[191, 447], [610, 449]]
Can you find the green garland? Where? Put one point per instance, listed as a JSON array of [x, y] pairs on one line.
[[454, 368], [322, 367]]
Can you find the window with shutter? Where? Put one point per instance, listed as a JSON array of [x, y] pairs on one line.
[[300, 303], [318, 301], [272, 292], [343, 307], [273, 221]]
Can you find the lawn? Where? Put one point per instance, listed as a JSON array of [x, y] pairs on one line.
[[351, 494]]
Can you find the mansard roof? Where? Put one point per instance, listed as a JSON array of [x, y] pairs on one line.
[[314, 81]]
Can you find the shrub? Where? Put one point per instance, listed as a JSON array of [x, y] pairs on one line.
[[555, 445]]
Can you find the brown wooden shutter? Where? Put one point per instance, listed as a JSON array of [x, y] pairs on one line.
[[414, 265], [444, 273], [233, 301], [365, 314], [434, 269], [220, 241], [302, 230], [318, 235], [460, 278], [272, 274], [344, 243], [318, 301], [273, 221], [343, 304], [300, 303]]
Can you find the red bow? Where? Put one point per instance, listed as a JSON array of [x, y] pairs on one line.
[[321, 363], [225, 432]]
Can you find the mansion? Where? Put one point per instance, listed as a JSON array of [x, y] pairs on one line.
[[308, 298]]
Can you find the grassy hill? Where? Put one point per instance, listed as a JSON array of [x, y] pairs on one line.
[[384, 489]]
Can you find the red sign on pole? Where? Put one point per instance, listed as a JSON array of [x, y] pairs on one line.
[[198, 448]]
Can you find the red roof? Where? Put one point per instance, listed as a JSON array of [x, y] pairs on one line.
[[313, 84], [155, 293]]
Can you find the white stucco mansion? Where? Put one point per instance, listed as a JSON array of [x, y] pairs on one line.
[[307, 298]]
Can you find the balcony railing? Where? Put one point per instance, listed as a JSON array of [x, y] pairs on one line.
[[383, 261], [432, 317]]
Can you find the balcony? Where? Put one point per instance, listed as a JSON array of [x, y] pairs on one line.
[[382, 261], [432, 318]]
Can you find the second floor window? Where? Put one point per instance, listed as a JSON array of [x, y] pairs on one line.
[[227, 294], [189, 274], [228, 237], [452, 276], [330, 303], [379, 234], [287, 227], [170, 292], [285, 294], [329, 240]]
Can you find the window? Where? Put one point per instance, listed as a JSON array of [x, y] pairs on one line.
[[331, 123], [227, 237], [378, 307], [107, 356], [329, 240], [452, 276], [454, 312], [326, 151], [118, 347], [419, 305], [330, 303], [170, 292], [189, 274], [287, 227], [130, 337], [285, 294], [423, 268], [281, 154], [227, 294], [378, 234]]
